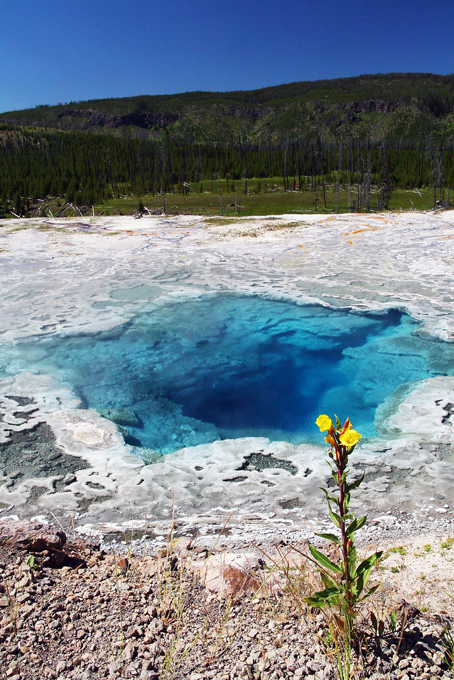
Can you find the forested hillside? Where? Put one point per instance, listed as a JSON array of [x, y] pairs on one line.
[[209, 115], [366, 136]]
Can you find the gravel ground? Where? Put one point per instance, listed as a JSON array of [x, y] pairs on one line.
[[99, 615]]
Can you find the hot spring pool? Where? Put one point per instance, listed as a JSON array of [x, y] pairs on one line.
[[228, 366]]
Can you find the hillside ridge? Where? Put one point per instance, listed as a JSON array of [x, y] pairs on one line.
[[430, 94]]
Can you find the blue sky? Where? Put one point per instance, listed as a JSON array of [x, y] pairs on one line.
[[69, 50]]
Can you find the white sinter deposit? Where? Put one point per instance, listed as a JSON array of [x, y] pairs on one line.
[[63, 276]]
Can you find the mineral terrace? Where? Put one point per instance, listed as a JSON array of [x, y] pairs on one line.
[[63, 276]]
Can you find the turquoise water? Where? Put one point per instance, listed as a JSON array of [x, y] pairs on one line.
[[228, 366]]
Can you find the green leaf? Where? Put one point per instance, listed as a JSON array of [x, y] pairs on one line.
[[346, 502], [355, 525], [361, 580], [369, 562], [333, 499], [328, 592], [351, 527], [369, 593], [330, 537], [323, 598], [338, 423], [336, 520], [328, 582], [315, 602], [352, 564], [393, 620], [363, 572], [324, 560], [355, 485], [361, 522], [374, 621]]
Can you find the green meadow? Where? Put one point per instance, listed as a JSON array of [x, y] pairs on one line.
[[268, 199]]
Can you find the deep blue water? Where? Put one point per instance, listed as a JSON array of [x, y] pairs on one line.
[[228, 366]]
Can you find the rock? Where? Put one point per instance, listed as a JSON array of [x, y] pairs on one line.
[[57, 558], [123, 564], [230, 574], [114, 667], [152, 611], [121, 416], [31, 536], [200, 550], [23, 598], [81, 545], [129, 652]]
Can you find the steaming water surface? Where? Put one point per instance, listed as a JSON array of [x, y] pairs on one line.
[[227, 366]]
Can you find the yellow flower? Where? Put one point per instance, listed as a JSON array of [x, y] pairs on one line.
[[330, 440], [350, 438], [324, 423]]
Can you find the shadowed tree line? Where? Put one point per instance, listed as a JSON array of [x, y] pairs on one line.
[[89, 169]]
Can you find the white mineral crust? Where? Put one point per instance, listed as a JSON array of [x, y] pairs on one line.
[[63, 276]]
